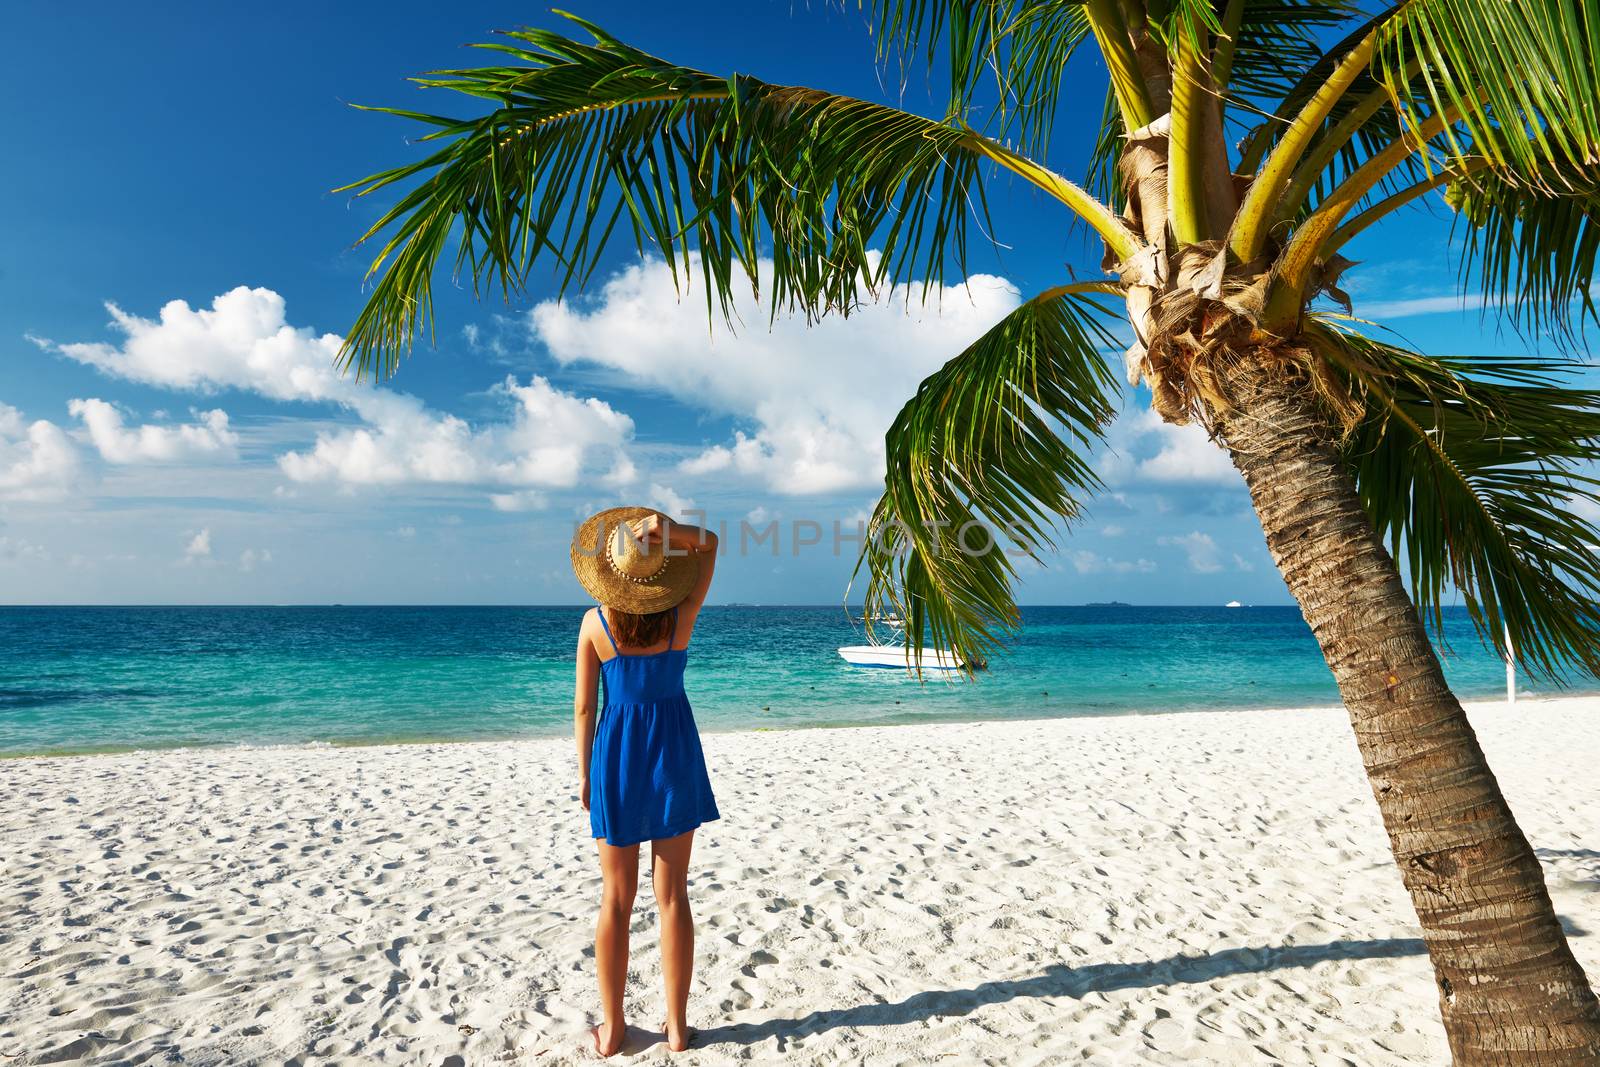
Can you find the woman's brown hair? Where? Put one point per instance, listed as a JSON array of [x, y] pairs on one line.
[[639, 631]]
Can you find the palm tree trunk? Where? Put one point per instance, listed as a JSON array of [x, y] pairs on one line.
[[1509, 988]]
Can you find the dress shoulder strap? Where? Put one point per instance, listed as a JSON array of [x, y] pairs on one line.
[[607, 627]]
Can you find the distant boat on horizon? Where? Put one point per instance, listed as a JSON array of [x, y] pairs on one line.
[[1233, 604]]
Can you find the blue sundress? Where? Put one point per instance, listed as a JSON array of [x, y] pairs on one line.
[[647, 773]]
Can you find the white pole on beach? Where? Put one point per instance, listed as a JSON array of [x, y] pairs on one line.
[[1511, 670]]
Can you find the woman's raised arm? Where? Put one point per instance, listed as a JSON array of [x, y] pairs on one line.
[[683, 537]]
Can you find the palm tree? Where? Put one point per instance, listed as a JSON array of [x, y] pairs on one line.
[[1355, 451]]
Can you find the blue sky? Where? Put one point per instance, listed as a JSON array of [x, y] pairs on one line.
[[174, 162]]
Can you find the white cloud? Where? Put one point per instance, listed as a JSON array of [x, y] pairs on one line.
[[406, 533], [520, 500], [553, 433], [819, 396], [199, 547], [251, 558], [1242, 564], [1185, 454], [552, 438], [244, 341], [623, 473], [664, 499], [17, 548], [1199, 547], [1422, 305], [713, 460], [262, 556], [1085, 562], [119, 444], [403, 442], [38, 461]]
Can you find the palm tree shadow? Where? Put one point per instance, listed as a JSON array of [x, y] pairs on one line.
[[1060, 980]]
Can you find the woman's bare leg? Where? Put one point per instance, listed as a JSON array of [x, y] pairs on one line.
[[620, 869], [669, 873]]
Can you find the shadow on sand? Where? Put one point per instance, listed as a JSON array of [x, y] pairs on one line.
[[1061, 981]]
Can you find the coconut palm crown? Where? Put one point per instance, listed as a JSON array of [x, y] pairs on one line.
[[1242, 144]]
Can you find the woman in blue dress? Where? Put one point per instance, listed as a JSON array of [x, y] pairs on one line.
[[643, 774]]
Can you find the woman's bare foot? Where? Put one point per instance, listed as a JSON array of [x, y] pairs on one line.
[[678, 1039], [608, 1041]]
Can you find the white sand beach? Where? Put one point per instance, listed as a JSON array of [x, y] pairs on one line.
[[1172, 889]]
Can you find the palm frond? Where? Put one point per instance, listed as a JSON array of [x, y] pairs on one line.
[[1272, 193], [1362, 125], [1017, 49], [1104, 179], [1532, 249], [998, 440], [1523, 77], [1189, 21], [589, 134], [1278, 40], [585, 136], [1021, 49], [1306, 80], [1475, 471], [1508, 88]]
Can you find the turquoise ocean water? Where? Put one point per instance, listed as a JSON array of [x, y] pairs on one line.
[[82, 679]]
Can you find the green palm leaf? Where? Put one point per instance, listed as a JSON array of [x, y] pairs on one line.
[[1307, 80], [998, 438], [1432, 57], [1278, 39], [1471, 468], [1444, 64], [1532, 250], [1017, 48], [1021, 49], [1543, 115], [1103, 179], [585, 135]]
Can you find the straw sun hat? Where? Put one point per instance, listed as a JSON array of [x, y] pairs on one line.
[[620, 573]]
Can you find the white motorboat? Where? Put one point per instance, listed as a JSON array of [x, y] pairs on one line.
[[932, 659], [1233, 604]]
